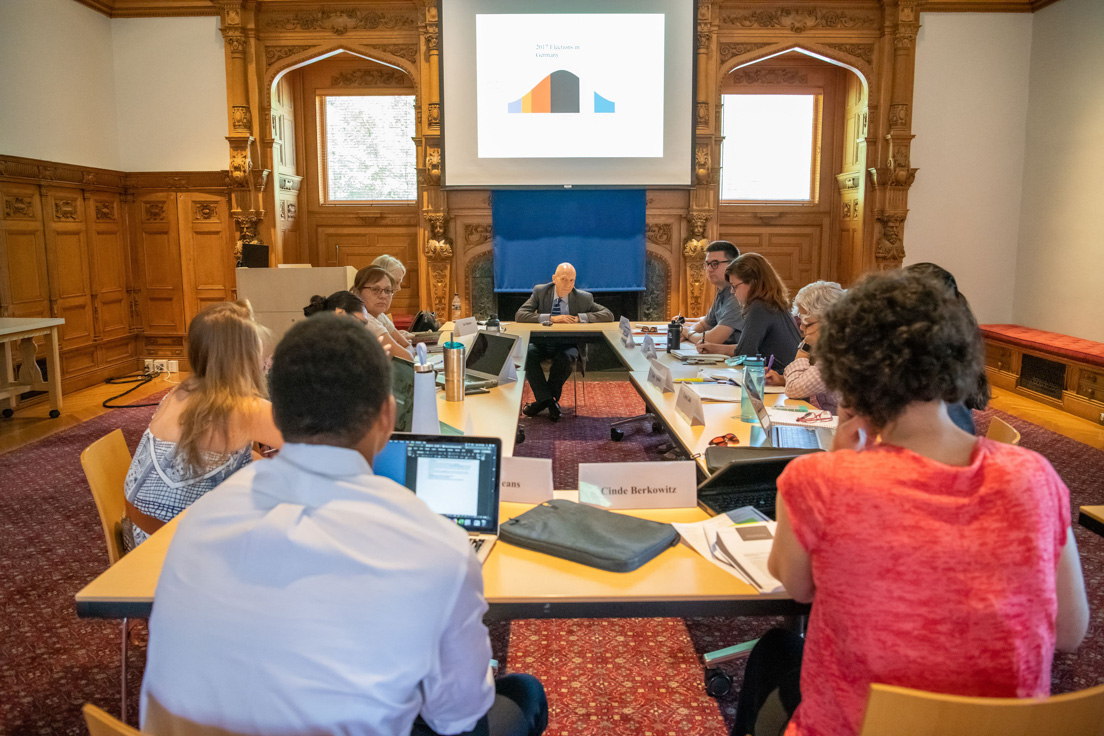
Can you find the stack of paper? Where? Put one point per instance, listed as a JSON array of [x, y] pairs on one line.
[[720, 541]]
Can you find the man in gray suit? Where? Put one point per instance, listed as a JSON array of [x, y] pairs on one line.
[[556, 303]]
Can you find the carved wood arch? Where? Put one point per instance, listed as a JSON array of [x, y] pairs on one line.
[[859, 66], [310, 54]]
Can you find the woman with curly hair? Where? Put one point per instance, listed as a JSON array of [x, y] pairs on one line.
[[935, 560], [769, 330], [204, 429]]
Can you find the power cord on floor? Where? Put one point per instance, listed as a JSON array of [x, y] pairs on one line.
[[141, 379]]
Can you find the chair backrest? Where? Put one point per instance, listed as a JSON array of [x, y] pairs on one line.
[[101, 724], [900, 711], [1002, 431], [105, 464]]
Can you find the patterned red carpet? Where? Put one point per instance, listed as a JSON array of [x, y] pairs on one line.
[[618, 676]]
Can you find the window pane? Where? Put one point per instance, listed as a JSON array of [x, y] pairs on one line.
[[369, 151], [768, 146]]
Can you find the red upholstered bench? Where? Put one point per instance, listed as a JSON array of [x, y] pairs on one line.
[[1047, 365]]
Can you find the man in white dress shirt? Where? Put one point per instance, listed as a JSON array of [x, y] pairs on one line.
[[306, 595]]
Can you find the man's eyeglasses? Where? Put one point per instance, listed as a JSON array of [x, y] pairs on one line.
[[815, 416], [710, 265], [725, 440], [380, 290]]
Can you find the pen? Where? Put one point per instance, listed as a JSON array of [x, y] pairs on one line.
[[799, 409], [694, 380], [770, 363]]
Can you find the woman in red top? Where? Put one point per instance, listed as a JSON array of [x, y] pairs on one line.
[[934, 559]]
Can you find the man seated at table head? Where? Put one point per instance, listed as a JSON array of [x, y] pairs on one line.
[[557, 302], [311, 596], [725, 320]]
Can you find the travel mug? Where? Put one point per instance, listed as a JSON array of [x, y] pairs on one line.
[[454, 371], [754, 375]]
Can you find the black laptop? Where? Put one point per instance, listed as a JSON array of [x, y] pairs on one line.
[[748, 480]]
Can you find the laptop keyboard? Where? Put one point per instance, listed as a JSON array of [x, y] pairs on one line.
[[796, 437], [724, 502]]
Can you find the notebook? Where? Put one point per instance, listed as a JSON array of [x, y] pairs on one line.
[[776, 435], [693, 356], [457, 477]]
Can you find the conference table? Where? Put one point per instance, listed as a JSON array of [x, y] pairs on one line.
[[1092, 518], [520, 583]]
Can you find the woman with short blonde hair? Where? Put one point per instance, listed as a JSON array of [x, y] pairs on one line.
[[802, 377], [204, 429], [376, 287]]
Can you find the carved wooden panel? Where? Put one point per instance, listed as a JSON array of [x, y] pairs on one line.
[[795, 252], [158, 244], [206, 251], [109, 279], [359, 246], [68, 267], [24, 284], [80, 360]]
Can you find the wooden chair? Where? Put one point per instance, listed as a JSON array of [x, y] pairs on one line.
[[901, 711], [105, 464], [101, 724], [1002, 431]]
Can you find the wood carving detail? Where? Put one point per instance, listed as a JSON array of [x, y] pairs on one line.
[[104, 211], [703, 114], [658, 232], [899, 116], [435, 114], [278, 53], [799, 20], [407, 51], [65, 209], [19, 208], [728, 51], [205, 211], [858, 50], [438, 252], [371, 78], [890, 251], [153, 212], [242, 118], [433, 165], [476, 234], [338, 22], [701, 163], [768, 76], [693, 252]]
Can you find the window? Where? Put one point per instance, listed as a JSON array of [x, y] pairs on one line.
[[367, 148], [770, 149]]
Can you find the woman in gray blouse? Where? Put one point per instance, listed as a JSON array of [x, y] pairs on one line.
[[769, 328]]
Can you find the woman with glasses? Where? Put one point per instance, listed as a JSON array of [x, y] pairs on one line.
[[934, 559], [769, 330], [376, 287], [802, 377]]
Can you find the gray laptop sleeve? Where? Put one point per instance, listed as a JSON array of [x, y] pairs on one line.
[[588, 535]]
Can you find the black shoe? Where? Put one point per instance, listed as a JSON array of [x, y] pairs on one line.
[[535, 408], [554, 412]]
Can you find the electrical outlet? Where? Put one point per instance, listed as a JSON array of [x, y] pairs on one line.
[[149, 365], [160, 366], [1102, 417], [174, 366]]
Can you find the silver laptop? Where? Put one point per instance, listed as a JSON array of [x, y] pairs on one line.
[[486, 357], [693, 356], [457, 477], [777, 435]]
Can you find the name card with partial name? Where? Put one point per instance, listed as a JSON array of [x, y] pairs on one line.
[[659, 376], [689, 405], [648, 348], [526, 479], [639, 485], [466, 326]]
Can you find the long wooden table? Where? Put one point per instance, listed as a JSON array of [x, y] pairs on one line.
[[517, 583], [19, 333], [1092, 518]]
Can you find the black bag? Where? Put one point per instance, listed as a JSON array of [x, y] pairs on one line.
[[425, 322], [589, 535]]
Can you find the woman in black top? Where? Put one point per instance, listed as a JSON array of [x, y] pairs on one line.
[[769, 328]]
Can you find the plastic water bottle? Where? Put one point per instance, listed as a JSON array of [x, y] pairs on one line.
[[755, 375], [456, 307]]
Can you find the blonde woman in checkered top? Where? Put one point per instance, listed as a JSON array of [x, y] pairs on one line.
[[802, 378]]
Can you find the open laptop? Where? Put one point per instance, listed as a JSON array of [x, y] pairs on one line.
[[751, 481], [777, 435], [457, 477], [486, 357], [402, 388]]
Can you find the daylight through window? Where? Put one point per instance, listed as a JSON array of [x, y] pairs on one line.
[[769, 147], [368, 151]]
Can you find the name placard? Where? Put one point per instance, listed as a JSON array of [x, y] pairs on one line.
[[526, 479], [689, 405], [466, 326], [659, 376], [648, 348], [627, 338], [639, 485]]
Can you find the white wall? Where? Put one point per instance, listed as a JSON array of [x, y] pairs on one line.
[[1059, 284], [970, 115], [170, 82], [57, 88]]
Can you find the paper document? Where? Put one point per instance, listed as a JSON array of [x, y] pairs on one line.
[[748, 547], [789, 418], [717, 391], [701, 536]]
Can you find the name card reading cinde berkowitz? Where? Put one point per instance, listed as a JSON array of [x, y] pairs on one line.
[[659, 376], [639, 485], [648, 348], [689, 405], [526, 479], [466, 326]]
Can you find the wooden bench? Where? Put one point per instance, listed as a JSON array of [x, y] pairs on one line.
[[1063, 371]]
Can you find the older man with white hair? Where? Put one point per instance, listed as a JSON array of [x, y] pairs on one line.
[[557, 302]]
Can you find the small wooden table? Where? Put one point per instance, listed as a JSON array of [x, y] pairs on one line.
[[18, 334], [1092, 518]]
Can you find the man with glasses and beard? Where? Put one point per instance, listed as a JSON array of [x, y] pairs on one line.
[[725, 320]]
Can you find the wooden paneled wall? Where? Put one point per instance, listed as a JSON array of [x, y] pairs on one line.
[[126, 259]]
